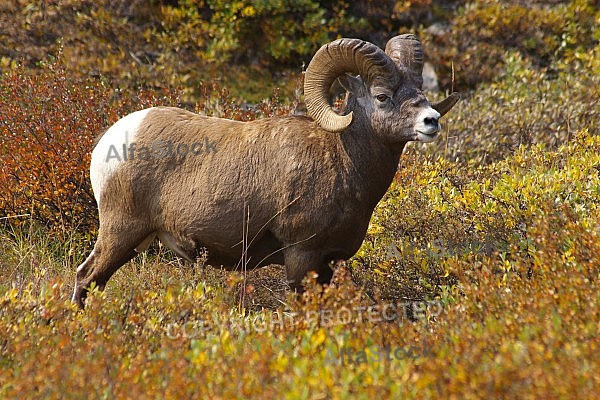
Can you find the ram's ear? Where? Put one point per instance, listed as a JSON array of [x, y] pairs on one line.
[[353, 84]]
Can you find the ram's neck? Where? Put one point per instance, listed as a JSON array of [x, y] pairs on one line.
[[371, 161]]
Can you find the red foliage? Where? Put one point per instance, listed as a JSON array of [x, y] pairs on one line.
[[48, 122]]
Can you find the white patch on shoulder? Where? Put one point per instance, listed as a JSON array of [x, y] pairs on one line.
[[109, 151]]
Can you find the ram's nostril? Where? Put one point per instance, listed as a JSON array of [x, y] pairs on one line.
[[431, 121]]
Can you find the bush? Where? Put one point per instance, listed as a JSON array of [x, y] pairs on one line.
[[476, 38], [523, 106], [49, 122], [437, 216], [161, 45], [523, 303], [486, 243]]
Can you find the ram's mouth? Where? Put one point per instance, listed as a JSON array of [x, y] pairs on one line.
[[427, 136]]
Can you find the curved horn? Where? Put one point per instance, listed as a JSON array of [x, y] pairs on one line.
[[445, 105], [332, 61], [406, 51]]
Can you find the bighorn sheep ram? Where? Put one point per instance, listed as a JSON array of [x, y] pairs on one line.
[[291, 190]]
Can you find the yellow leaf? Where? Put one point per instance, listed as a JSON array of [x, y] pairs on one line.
[[318, 338]]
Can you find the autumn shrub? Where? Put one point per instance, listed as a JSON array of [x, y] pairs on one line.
[[249, 47], [438, 214], [252, 48], [474, 40], [485, 246], [523, 106], [518, 320], [48, 124]]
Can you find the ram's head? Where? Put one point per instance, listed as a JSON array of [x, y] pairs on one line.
[[383, 90]]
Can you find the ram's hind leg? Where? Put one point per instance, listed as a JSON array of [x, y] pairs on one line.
[[111, 251], [184, 247]]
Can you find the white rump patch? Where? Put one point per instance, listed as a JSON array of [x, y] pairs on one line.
[[108, 153]]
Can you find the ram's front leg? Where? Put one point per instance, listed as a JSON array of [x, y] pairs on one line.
[[299, 262]]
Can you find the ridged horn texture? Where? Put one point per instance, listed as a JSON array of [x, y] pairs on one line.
[[445, 105], [407, 53], [331, 61]]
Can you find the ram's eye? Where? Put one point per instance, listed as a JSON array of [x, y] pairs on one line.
[[382, 97]]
